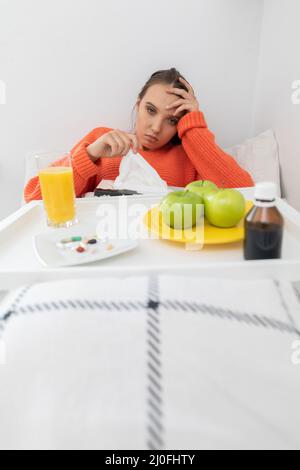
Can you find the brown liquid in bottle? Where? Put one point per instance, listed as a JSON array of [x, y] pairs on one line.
[[263, 233], [263, 230]]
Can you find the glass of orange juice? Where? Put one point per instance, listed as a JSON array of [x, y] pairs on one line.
[[57, 187]]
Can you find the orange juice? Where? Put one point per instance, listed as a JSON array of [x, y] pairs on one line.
[[57, 188]]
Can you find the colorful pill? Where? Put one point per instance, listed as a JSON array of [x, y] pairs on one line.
[[72, 240], [93, 241], [80, 249]]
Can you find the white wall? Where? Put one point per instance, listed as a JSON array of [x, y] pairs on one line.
[[279, 67], [72, 65]]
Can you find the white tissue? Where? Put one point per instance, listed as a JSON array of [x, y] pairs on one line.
[[136, 174]]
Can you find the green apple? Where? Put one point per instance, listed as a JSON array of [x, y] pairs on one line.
[[201, 187], [224, 207], [182, 209]]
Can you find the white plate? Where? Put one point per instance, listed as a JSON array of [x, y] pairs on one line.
[[49, 254]]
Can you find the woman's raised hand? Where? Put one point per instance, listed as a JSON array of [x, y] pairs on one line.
[[114, 143], [186, 100]]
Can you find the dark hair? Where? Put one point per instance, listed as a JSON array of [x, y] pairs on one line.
[[169, 77]]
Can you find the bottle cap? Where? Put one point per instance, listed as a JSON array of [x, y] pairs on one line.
[[265, 191]]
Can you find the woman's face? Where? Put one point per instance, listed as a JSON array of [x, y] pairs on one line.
[[154, 120]]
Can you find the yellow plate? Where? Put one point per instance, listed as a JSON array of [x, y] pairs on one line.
[[212, 235]]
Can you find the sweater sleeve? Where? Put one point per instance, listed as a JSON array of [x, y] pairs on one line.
[[84, 170], [209, 160]]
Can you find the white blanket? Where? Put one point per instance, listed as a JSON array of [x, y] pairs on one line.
[[159, 363]]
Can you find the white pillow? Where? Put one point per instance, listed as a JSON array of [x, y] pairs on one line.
[[260, 157]]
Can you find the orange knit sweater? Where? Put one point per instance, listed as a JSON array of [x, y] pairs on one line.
[[198, 157]]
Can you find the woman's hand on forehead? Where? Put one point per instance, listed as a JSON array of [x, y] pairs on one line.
[[187, 101]]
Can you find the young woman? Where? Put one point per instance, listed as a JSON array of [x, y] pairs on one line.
[[170, 133]]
